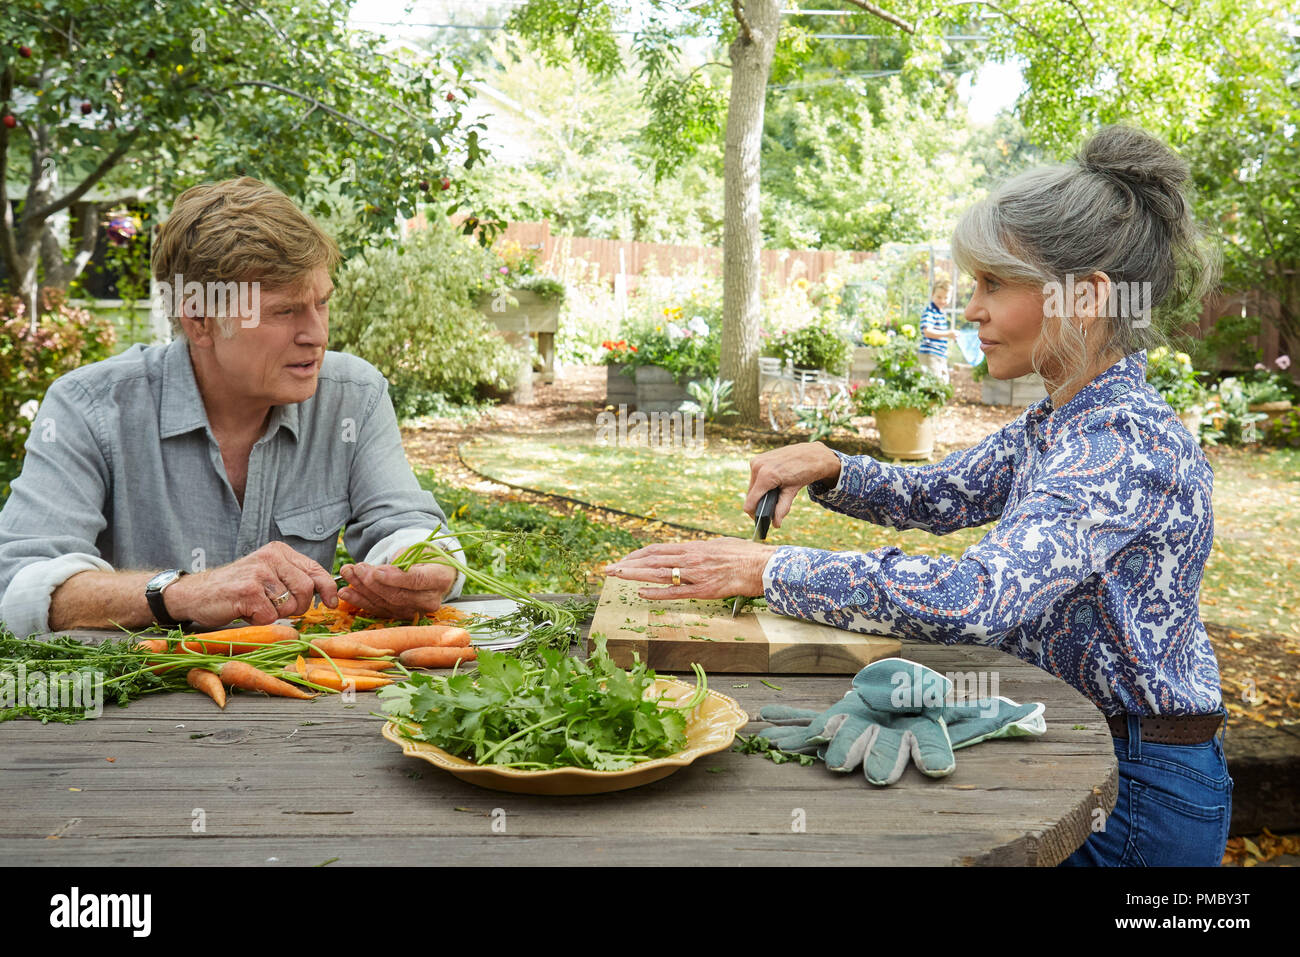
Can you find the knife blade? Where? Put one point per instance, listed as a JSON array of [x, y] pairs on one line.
[[762, 522]]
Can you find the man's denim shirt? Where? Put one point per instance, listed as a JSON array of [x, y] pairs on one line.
[[123, 473]]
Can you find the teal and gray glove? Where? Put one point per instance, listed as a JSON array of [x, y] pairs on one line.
[[896, 710], [877, 726]]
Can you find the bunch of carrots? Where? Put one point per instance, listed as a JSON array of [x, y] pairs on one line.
[[245, 657]]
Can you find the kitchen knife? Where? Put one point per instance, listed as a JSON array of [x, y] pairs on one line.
[[762, 521]]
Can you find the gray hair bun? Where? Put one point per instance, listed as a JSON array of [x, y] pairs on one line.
[[1141, 166]]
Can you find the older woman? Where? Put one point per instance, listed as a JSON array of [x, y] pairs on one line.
[[1102, 497]]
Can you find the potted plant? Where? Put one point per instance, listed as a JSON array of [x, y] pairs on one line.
[[903, 397], [1267, 392], [1171, 374], [620, 389], [664, 359], [816, 346], [521, 302]]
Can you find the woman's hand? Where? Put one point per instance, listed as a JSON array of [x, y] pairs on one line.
[[791, 468], [717, 568], [385, 591]]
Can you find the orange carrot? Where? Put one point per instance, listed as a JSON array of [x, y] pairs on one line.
[[343, 647], [238, 674], [436, 657], [328, 679], [364, 663], [201, 679], [422, 636], [237, 641], [153, 644], [320, 664]]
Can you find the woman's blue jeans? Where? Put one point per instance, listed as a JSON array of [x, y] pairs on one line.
[[1173, 808]]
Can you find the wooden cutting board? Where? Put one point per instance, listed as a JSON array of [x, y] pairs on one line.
[[669, 635]]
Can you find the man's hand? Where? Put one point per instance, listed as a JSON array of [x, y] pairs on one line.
[[385, 591], [251, 589]]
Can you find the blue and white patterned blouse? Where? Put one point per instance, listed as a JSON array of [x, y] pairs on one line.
[[1092, 573]]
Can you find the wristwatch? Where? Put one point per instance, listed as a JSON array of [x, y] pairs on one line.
[[153, 593]]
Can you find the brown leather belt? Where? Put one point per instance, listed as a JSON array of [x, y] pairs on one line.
[[1169, 728]]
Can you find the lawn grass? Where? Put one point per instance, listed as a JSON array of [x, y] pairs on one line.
[[1250, 579]]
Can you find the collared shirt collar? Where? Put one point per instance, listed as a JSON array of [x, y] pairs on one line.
[[182, 407], [1128, 373]]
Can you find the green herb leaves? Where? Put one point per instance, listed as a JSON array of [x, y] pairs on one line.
[[565, 713]]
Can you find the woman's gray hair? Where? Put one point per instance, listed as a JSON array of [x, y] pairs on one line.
[[1117, 207]]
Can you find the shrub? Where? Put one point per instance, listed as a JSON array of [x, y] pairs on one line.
[[411, 312], [688, 351], [65, 338], [1171, 374]]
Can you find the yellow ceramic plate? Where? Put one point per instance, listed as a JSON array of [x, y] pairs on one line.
[[709, 729]]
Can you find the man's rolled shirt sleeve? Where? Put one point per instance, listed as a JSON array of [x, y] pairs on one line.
[[54, 516], [391, 511]]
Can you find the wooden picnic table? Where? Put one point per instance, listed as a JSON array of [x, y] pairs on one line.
[[171, 780]]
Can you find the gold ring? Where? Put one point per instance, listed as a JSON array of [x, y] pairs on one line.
[[677, 576], [281, 599]]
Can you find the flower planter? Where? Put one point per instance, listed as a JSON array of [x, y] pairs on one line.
[[1024, 390], [863, 364], [905, 433], [1274, 411], [620, 389], [533, 316], [658, 391]]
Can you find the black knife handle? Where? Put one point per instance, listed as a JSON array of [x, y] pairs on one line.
[[765, 510]]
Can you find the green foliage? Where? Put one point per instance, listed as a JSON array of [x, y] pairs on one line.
[[815, 346], [566, 713], [64, 339], [564, 552], [411, 312], [688, 351], [281, 90], [1230, 405], [1230, 340], [1172, 375], [822, 421], [899, 381], [712, 397]]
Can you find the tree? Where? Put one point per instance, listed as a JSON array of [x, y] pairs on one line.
[[116, 92]]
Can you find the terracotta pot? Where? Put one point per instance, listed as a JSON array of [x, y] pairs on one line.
[[905, 433]]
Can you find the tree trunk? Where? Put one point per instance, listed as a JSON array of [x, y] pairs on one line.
[[742, 243]]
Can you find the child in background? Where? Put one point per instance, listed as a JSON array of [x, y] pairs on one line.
[[935, 333]]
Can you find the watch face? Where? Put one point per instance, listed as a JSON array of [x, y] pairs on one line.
[[162, 580]]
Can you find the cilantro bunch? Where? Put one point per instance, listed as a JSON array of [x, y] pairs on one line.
[[563, 713]]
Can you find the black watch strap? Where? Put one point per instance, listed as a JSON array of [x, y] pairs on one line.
[[153, 593]]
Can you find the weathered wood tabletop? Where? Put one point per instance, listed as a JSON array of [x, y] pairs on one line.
[[173, 781]]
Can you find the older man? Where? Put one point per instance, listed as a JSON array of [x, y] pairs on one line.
[[206, 480]]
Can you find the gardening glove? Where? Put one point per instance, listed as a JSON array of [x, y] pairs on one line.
[[975, 721], [878, 725]]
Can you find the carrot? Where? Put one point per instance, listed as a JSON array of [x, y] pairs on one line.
[[238, 674], [328, 679], [349, 648], [237, 641], [436, 657], [201, 679], [153, 644], [321, 664], [423, 636], [365, 663]]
